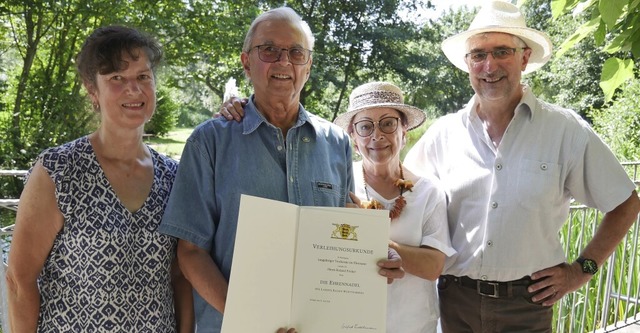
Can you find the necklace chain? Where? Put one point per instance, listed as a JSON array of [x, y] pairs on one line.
[[399, 203]]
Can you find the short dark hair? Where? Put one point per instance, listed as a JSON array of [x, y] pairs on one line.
[[102, 51]]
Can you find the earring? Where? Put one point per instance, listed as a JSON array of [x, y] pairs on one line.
[[356, 152]]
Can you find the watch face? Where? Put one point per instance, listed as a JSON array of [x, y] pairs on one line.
[[589, 266]]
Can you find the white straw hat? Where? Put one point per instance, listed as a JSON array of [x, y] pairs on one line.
[[500, 16], [379, 95]]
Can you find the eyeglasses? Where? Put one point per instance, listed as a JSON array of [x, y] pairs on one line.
[[270, 53], [501, 53], [386, 125]]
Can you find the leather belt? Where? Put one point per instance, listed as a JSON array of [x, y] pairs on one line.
[[494, 289]]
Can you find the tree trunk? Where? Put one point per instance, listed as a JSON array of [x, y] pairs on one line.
[[33, 36]]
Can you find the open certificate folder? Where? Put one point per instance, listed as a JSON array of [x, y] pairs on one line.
[[312, 268]]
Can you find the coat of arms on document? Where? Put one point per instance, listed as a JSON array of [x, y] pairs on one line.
[[345, 231]]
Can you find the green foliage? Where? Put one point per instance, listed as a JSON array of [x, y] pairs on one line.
[[570, 81], [615, 72], [573, 307], [202, 40], [584, 309], [358, 41], [441, 88], [619, 125], [172, 144], [43, 104], [617, 19], [413, 136], [191, 114], [166, 114]]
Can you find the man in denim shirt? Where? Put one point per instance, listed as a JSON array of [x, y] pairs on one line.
[[280, 151]]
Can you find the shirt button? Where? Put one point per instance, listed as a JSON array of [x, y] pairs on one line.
[[543, 166], [490, 243], [279, 148], [494, 205], [498, 167], [306, 139], [484, 278], [291, 179]]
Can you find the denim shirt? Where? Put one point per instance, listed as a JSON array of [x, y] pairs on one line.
[[224, 159]]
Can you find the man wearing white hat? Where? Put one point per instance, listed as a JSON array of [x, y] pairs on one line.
[[510, 164]]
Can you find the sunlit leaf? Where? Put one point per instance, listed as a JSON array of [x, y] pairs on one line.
[[611, 11], [614, 73], [635, 48], [585, 30], [557, 7], [600, 34], [618, 43]]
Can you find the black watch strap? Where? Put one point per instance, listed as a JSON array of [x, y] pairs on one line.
[[589, 266]]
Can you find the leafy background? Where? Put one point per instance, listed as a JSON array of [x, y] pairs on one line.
[[42, 103]]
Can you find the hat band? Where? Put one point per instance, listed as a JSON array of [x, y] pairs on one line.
[[374, 98]]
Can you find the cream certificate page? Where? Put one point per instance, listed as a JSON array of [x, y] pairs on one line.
[[312, 268]]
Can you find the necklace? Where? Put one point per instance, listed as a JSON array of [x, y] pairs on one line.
[[399, 204]]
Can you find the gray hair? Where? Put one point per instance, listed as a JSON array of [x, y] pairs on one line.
[[519, 42], [285, 14]]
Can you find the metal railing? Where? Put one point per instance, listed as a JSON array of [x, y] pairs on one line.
[[11, 204], [610, 300], [607, 303]]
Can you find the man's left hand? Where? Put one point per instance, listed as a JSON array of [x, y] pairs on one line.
[[554, 282]]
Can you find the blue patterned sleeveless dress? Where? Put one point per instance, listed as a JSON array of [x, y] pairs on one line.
[[109, 269]]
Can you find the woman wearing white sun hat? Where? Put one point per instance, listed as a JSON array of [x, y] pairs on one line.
[[377, 121], [510, 164]]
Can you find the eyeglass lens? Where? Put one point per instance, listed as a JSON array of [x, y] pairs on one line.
[[499, 54], [386, 125], [297, 55]]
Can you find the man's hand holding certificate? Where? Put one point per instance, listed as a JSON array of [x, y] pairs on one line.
[[312, 268]]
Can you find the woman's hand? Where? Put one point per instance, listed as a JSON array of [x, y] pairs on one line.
[[391, 267]]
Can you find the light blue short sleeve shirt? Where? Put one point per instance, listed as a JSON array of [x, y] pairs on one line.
[[222, 159]]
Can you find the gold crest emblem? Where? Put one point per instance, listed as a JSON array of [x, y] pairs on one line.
[[345, 231]]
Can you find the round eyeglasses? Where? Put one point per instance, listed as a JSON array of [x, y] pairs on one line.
[[386, 125], [270, 53]]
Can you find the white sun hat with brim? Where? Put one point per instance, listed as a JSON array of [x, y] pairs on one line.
[[379, 95], [500, 16]]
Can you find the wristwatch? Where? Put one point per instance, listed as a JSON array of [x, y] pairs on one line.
[[588, 265]]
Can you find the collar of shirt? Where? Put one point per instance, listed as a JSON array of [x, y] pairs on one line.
[[253, 118], [527, 104]]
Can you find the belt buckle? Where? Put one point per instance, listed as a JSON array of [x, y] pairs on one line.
[[496, 289]]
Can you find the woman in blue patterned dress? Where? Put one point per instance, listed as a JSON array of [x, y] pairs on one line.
[[85, 255]]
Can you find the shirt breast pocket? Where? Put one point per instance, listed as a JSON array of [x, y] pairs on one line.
[[327, 194], [538, 184]]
